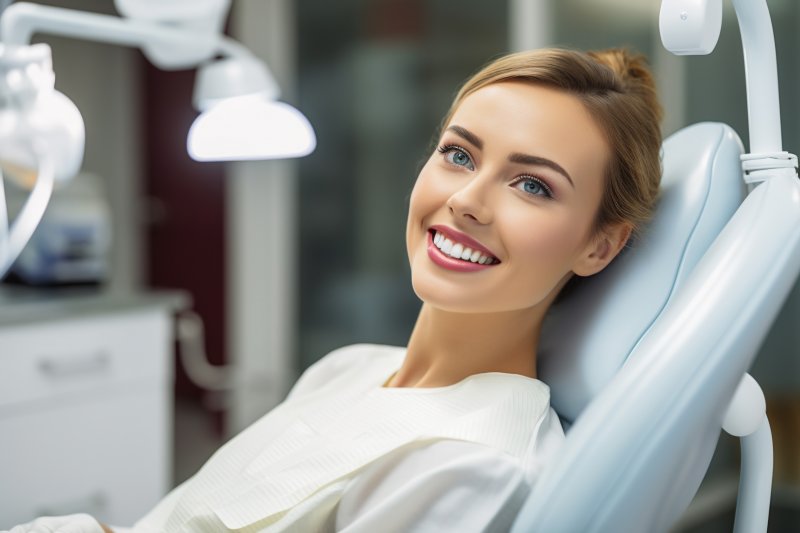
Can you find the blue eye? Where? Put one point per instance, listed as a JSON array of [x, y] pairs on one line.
[[533, 186], [457, 156]]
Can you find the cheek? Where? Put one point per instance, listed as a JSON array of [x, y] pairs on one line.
[[417, 207], [545, 243], [425, 198]]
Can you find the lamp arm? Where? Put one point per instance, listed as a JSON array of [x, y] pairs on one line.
[[20, 21], [761, 74], [13, 240], [232, 48]]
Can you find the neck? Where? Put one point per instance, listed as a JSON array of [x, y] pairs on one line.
[[446, 347]]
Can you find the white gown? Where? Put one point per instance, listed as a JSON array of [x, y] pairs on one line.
[[343, 453]]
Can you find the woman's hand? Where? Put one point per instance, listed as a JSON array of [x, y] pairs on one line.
[[75, 523]]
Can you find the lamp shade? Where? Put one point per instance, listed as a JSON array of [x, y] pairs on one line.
[[250, 127], [230, 77]]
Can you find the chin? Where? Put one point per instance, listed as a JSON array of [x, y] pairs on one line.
[[441, 295], [436, 294]]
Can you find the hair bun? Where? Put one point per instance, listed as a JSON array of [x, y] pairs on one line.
[[634, 73]]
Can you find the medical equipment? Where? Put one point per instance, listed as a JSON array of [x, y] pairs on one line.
[[41, 130], [71, 245], [649, 358], [689, 27]]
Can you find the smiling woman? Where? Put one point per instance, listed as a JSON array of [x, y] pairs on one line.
[[534, 216], [546, 162]]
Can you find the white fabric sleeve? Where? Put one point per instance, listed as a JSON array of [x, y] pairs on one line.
[[321, 372], [446, 485], [151, 522]]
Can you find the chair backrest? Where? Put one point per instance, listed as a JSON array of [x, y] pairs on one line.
[[588, 336], [634, 458], [637, 453]]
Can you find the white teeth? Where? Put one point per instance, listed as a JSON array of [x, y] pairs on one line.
[[459, 251], [446, 246]]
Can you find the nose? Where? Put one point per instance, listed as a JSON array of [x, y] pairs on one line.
[[471, 201]]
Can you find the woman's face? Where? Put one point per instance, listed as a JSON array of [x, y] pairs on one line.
[[515, 183]]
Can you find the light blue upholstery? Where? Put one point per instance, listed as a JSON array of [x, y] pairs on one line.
[[632, 344], [589, 335], [646, 357]]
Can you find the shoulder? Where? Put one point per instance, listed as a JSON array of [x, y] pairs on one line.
[[347, 356], [347, 360], [352, 356], [546, 442]]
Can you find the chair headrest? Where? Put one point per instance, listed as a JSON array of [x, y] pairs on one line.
[[589, 334]]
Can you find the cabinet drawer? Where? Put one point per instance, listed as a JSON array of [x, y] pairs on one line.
[[109, 456], [45, 360]]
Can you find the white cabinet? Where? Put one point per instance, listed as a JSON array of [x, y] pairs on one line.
[[86, 415]]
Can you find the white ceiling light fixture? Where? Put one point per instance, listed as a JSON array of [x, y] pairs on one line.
[[42, 132], [241, 117]]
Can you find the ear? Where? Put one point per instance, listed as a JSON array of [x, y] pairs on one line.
[[602, 248]]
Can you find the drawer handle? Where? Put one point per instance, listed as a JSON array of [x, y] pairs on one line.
[[90, 364]]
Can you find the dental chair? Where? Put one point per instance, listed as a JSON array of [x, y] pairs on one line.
[[647, 360]]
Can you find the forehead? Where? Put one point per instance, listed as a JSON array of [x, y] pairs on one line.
[[538, 120]]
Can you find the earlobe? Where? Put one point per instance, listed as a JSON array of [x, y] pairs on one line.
[[603, 248]]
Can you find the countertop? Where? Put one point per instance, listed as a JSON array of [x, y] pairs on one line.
[[21, 305]]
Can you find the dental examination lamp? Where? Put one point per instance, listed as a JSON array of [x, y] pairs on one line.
[[42, 132]]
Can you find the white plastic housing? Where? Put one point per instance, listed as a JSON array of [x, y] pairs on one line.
[[748, 409], [231, 77], [690, 27], [169, 43], [35, 119], [172, 11], [54, 126], [205, 18]]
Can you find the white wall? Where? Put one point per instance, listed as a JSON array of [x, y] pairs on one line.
[[261, 236], [530, 24]]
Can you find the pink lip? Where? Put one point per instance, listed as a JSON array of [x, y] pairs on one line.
[[451, 263]]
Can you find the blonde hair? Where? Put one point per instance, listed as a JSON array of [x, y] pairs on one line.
[[618, 91]]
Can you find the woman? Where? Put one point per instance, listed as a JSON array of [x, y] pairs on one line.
[[547, 162]]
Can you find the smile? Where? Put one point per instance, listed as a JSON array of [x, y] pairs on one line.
[[461, 251], [453, 255]]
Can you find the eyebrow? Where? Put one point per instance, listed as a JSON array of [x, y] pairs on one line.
[[516, 157]]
